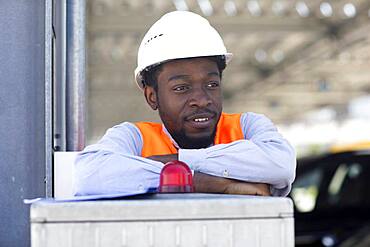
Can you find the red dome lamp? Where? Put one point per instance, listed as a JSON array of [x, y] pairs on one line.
[[176, 177]]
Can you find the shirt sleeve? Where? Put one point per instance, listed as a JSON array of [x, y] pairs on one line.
[[264, 156], [114, 165]]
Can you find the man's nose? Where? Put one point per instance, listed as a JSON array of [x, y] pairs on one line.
[[200, 98]]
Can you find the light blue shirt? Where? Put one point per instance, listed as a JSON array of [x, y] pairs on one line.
[[115, 165]]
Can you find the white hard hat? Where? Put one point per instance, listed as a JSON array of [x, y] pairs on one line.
[[178, 34]]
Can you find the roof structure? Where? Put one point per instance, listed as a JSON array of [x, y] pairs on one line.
[[290, 57]]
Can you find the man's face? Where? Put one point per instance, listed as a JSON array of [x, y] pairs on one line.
[[189, 100]]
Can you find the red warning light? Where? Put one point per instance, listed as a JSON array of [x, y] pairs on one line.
[[176, 177]]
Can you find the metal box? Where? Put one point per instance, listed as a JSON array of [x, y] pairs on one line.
[[165, 220]]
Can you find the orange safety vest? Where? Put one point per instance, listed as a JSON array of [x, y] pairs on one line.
[[157, 142]]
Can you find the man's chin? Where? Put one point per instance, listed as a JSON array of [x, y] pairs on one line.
[[196, 142]]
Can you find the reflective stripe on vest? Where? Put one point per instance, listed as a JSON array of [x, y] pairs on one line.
[[156, 141]]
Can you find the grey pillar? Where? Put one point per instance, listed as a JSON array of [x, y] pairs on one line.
[[22, 115], [69, 85]]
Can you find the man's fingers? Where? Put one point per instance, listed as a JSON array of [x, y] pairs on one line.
[[245, 188], [205, 183], [263, 189]]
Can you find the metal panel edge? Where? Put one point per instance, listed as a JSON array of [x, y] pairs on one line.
[[48, 98]]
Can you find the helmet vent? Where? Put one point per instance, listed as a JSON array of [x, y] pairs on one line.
[[154, 37]]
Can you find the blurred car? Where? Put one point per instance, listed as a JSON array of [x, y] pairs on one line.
[[331, 194], [360, 239]]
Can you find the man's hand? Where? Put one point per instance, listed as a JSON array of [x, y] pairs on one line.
[[204, 183], [164, 158]]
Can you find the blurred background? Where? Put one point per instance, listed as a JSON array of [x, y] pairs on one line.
[[304, 64]]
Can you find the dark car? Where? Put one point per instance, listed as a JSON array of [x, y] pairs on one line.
[[360, 239], [331, 194]]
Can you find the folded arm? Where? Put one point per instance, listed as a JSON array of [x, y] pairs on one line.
[[114, 165], [204, 183]]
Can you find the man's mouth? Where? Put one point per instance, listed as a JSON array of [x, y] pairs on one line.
[[201, 119], [201, 116]]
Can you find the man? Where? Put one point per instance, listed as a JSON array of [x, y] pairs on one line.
[[180, 65]]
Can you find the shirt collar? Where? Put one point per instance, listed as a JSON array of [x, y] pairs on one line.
[[169, 135]]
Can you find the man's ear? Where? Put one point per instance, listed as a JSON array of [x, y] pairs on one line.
[[151, 97]]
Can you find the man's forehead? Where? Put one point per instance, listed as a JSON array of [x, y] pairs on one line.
[[186, 63]]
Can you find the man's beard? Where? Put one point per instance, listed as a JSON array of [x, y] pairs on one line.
[[186, 142]]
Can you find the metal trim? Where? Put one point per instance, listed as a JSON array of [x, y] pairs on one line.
[[48, 98]]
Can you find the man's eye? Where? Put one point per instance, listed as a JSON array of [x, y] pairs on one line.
[[180, 88], [213, 84]]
